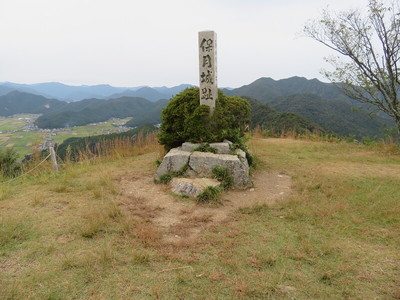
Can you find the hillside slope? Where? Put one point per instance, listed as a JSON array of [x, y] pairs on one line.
[[280, 122], [95, 111], [17, 102], [336, 115], [153, 116], [324, 104]]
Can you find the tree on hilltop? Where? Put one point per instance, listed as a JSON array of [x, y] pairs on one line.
[[370, 44]]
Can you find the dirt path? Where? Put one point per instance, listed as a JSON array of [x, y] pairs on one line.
[[178, 218]]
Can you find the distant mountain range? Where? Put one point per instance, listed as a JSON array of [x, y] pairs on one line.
[[152, 94], [294, 103], [71, 93], [265, 89]]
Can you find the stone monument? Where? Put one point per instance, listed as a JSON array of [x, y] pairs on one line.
[[187, 160], [208, 68]]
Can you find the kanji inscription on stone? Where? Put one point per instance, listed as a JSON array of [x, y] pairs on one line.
[[208, 68]]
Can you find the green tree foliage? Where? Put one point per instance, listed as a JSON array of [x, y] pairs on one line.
[[185, 120], [9, 166], [370, 45]]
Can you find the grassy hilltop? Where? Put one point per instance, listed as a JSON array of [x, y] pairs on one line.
[[98, 229]]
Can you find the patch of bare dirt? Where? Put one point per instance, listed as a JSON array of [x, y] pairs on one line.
[[178, 219]]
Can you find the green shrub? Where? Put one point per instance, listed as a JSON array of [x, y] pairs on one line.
[[210, 194], [185, 120], [266, 132], [366, 140], [165, 179], [222, 175], [9, 165]]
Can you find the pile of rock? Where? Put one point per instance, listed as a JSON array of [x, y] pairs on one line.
[[186, 161]]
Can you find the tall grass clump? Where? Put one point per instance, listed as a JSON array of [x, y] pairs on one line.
[[210, 194], [9, 165], [133, 142], [222, 175], [14, 230]]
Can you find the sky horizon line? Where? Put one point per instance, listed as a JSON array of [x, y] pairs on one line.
[[155, 86]]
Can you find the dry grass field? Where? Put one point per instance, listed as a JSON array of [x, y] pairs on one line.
[[323, 222]]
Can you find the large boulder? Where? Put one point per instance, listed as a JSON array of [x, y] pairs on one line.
[[222, 148], [200, 164], [192, 186], [203, 162], [189, 147], [174, 161]]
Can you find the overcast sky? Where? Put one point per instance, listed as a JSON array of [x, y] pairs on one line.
[[154, 42]]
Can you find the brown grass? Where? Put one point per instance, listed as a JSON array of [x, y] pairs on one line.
[[335, 237], [147, 234]]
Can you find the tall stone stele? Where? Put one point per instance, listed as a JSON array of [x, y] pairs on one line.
[[208, 68], [187, 159]]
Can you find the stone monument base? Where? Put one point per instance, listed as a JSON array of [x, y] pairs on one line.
[[186, 161]]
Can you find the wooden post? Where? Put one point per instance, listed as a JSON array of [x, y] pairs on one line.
[[53, 158]]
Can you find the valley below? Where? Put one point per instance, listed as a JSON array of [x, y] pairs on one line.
[[19, 132]]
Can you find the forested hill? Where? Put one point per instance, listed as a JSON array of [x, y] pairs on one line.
[[279, 122], [153, 116], [17, 102], [94, 110], [5, 90], [319, 102], [339, 116]]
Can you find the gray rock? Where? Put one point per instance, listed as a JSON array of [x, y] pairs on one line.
[[227, 141], [200, 164], [222, 148], [174, 161], [189, 146], [241, 153], [203, 163], [191, 186]]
